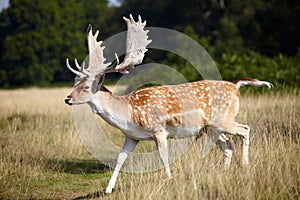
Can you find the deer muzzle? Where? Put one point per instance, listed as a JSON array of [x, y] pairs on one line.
[[68, 100]]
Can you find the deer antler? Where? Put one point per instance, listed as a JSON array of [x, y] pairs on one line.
[[136, 43], [96, 59]]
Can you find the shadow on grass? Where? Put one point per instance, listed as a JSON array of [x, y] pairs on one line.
[[94, 195], [78, 166], [91, 195]]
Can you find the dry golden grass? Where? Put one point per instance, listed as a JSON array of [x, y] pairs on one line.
[[43, 158]]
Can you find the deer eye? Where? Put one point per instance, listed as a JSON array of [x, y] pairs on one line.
[[86, 88]]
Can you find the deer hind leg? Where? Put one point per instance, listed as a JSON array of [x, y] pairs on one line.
[[214, 137], [128, 147], [243, 131], [227, 146], [162, 146]]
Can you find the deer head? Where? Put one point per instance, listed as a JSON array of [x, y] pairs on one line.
[[91, 73]]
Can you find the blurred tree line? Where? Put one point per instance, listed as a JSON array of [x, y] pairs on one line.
[[250, 38]]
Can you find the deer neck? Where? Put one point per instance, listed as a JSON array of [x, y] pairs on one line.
[[113, 109]]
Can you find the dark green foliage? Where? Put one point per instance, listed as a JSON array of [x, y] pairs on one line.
[[37, 38], [280, 69], [257, 39]]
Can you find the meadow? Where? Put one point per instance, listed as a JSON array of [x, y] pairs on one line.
[[42, 157]]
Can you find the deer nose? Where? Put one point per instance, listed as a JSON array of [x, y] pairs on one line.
[[67, 100]]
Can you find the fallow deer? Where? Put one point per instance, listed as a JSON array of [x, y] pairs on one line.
[[161, 112]]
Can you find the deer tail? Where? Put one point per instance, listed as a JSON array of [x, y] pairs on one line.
[[253, 82]]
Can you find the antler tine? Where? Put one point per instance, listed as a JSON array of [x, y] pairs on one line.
[[142, 24], [77, 65], [82, 68], [96, 35], [117, 58], [126, 19], [71, 69], [131, 18]]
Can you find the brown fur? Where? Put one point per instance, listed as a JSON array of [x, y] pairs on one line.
[[160, 106]]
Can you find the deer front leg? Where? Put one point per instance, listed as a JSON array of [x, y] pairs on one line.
[[162, 146], [128, 147]]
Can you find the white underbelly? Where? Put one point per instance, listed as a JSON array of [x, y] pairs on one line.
[[138, 133], [183, 132]]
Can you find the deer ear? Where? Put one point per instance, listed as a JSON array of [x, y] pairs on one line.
[[98, 82]]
